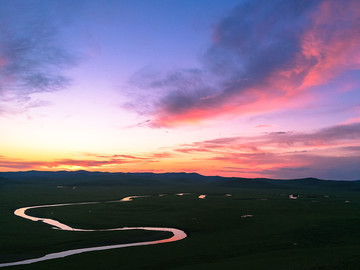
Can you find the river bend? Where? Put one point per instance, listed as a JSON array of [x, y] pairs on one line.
[[177, 234]]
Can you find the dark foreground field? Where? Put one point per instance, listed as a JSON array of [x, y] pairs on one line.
[[319, 230]]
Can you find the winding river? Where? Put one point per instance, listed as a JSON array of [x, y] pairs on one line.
[[177, 234]]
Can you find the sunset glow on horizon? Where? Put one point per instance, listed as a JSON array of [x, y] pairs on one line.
[[232, 88]]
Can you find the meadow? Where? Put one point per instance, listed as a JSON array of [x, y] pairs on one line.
[[257, 227]]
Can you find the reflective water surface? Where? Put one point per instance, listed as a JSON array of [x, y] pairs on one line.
[[177, 234]]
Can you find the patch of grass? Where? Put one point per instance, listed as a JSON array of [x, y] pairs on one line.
[[312, 232]]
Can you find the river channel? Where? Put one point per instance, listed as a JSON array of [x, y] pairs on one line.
[[21, 212]]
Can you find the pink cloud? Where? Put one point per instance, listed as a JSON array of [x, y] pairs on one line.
[[263, 126], [279, 153], [332, 41], [263, 58], [329, 153]]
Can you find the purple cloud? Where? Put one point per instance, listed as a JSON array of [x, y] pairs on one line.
[[32, 59], [328, 153], [262, 52]]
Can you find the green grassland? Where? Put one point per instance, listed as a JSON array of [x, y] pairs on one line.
[[319, 230]]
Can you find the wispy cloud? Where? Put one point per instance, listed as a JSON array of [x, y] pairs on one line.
[[328, 153], [32, 57], [285, 154], [101, 162], [335, 136], [90, 161], [263, 126], [264, 55]]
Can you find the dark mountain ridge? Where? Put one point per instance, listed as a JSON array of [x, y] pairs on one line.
[[149, 179]]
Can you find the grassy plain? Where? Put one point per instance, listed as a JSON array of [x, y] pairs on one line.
[[319, 230]]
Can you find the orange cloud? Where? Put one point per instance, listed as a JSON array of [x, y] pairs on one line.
[[277, 155]]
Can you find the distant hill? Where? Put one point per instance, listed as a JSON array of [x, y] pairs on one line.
[[86, 178], [81, 178]]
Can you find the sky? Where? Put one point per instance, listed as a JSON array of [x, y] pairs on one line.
[[233, 88]]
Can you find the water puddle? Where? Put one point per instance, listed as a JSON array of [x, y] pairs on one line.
[[182, 194], [130, 198]]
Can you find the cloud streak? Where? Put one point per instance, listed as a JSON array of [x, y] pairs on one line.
[[91, 161], [264, 56], [345, 136], [99, 162], [328, 153], [32, 59]]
